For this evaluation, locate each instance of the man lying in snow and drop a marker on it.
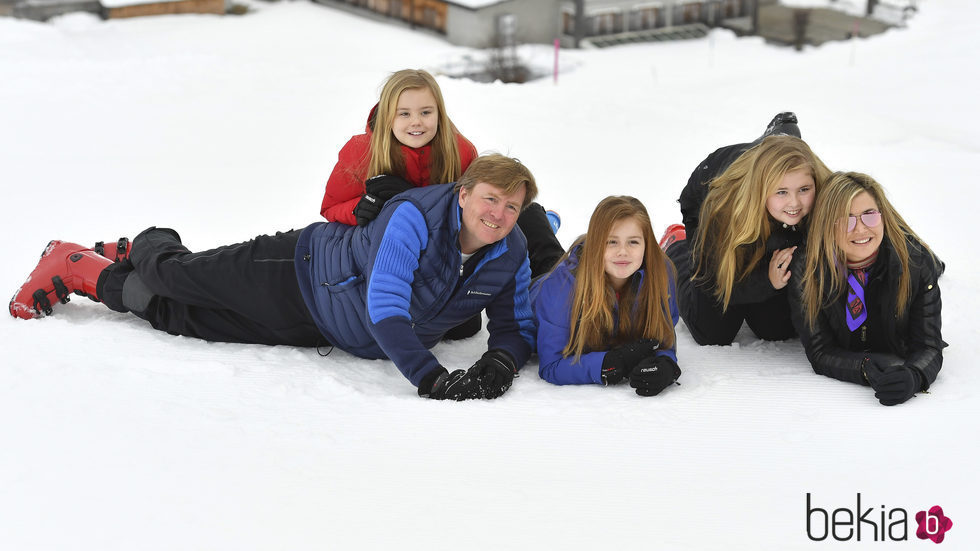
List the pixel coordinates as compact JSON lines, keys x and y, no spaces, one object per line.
{"x":433,"y":258}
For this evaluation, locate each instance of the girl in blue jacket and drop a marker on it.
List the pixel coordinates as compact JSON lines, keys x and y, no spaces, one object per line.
{"x":618,"y":286}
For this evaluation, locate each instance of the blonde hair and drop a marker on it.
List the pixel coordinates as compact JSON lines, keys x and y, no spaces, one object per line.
{"x":386,"y":156}
{"x":825,"y":274}
{"x":502,"y":172}
{"x":734,"y":227}
{"x":644,"y":307}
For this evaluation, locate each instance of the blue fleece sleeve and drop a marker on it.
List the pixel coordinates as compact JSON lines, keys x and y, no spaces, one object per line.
{"x":510,"y":320}
{"x":674,"y":314}
{"x":389,"y":293}
{"x":552,"y":312}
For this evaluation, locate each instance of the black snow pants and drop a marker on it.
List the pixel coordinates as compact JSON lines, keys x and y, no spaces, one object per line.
{"x":543,"y":248}
{"x":243,"y":293}
{"x":709,"y":324}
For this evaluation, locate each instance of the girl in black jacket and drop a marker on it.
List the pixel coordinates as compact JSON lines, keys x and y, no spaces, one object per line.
{"x":867,"y":306}
{"x":733,"y":265}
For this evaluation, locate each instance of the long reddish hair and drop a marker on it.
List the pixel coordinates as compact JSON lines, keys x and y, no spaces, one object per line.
{"x":643,"y":304}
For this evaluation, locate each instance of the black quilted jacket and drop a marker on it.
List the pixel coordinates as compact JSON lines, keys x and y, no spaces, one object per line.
{"x":914,"y":340}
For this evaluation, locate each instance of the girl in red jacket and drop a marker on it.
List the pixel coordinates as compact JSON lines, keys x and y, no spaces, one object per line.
{"x":408,"y":136}
{"x":411,"y":142}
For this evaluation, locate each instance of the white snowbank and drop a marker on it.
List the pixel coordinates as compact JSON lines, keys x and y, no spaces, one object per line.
{"x":116,"y":436}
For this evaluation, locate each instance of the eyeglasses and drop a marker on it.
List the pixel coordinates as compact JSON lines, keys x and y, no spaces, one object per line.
{"x":870,"y":219}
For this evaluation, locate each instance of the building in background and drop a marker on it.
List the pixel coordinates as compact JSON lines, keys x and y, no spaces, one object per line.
{"x":116,"y":9}
{"x":480,"y":23}
{"x":472,"y":23}
{"x":42,"y":10}
{"x":502,"y":24}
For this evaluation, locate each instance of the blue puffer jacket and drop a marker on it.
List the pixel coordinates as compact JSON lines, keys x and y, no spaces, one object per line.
{"x":551,"y":298}
{"x":392,"y":289}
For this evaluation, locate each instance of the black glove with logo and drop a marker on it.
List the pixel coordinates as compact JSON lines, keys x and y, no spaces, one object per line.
{"x":377,"y":191}
{"x":620,"y":360}
{"x":495,"y":372}
{"x":440,"y":384}
{"x":652,"y":375}
{"x":893,"y":384}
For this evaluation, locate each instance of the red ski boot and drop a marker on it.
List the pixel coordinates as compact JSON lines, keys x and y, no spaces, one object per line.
{"x":673,"y":233}
{"x":115,"y":251}
{"x":64,"y":268}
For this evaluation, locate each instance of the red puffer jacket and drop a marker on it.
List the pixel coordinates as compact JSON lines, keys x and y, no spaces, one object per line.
{"x":346,"y":183}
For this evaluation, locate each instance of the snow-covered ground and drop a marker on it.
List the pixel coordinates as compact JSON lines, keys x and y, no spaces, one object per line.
{"x":117,"y":437}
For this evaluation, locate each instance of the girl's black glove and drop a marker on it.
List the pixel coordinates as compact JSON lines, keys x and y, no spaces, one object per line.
{"x":377,"y":191}
{"x":620,"y":360}
{"x":652,"y":375}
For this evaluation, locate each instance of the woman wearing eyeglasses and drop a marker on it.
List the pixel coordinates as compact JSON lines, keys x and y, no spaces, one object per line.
{"x":869,"y":307}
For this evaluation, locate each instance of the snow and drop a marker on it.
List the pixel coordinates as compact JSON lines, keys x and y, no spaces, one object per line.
{"x":475,"y":4}
{"x":115,"y":436}
{"x":125,"y":3}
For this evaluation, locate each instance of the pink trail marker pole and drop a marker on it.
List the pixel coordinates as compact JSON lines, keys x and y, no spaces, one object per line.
{"x":557,"y":47}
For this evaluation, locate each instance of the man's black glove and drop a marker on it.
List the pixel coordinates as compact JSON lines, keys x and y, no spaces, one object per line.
{"x":495,"y":372}
{"x":893,"y":384}
{"x":620,"y":360}
{"x":377,"y":191}
{"x":652,"y":375}
{"x":440,"y":384}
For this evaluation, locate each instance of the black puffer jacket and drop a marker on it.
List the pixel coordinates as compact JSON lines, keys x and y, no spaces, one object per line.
{"x":914,"y":340}
{"x":696,"y":189}
{"x":755,"y":287}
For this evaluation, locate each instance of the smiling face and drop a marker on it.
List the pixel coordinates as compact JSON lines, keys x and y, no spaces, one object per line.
{"x":624,"y":251}
{"x":793,"y":197}
{"x":488,"y":215}
{"x":416,"y":117}
{"x":863,"y":241}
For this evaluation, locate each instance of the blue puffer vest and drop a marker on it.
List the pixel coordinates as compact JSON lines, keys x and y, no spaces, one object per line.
{"x":381,"y":290}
